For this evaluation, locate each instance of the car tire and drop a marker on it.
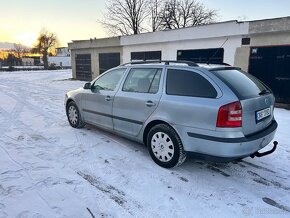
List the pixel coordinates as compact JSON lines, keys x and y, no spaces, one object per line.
{"x":165,"y":146}
{"x":74,"y":116}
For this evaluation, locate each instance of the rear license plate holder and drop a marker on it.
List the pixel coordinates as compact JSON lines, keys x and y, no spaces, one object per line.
{"x":262,"y":114}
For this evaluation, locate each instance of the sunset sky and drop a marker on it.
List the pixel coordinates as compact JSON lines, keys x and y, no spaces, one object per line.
{"x":21,"y":21}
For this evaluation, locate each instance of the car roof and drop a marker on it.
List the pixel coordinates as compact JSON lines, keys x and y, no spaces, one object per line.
{"x":187,"y":64}
{"x":161,"y":62}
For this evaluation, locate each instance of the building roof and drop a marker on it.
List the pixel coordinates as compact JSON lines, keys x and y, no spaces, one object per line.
{"x":95,"y":43}
{"x":213,"y":30}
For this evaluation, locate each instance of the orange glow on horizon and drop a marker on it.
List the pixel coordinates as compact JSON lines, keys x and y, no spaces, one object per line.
{"x":4,"y":54}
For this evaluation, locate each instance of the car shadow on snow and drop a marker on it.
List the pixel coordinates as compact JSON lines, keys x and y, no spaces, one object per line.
{"x":246,"y":168}
{"x":246,"y":172}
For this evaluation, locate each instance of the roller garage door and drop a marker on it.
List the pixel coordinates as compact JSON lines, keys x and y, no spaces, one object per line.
{"x":108,"y":61}
{"x":146,"y":56}
{"x":213,"y":55}
{"x":83,"y":67}
{"x":272,"y":66}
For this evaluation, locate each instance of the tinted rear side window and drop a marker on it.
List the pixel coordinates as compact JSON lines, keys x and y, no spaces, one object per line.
{"x":243,"y":84}
{"x":188,"y":83}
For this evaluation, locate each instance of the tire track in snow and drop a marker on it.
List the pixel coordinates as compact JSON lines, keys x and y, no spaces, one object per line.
{"x":275,"y":204}
{"x":38,"y":184}
{"x":24,"y":101}
{"x":113,"y":193}
{"x":13,"y":119}
{"x":13,"y":160}
{"x":12,"y":116}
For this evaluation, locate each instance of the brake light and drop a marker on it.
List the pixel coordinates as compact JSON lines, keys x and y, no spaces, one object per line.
{"x":230,"y":115}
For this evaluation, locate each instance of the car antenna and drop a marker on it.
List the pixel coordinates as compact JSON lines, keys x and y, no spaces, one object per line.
{"x":217,"y":50}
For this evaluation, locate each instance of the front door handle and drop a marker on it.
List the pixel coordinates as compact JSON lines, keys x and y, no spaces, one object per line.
{"x":150,"y":103}
{"x":108,"y":98}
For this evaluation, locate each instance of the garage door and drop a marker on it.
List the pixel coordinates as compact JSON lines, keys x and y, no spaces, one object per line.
{"x":146,"y":56}
{"x":108,"y":61}
{"x":272,"y":66}
{"x":83,"y":67}
{"x":213,"y":55}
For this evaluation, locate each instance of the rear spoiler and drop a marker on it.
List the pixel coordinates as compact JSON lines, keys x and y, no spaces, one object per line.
{"x":224,"y":68}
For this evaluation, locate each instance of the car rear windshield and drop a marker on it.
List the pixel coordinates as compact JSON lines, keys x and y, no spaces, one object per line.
{"x":242,"y":84}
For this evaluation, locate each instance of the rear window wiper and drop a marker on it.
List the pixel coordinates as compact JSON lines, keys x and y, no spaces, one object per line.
{"x":265,"y":91}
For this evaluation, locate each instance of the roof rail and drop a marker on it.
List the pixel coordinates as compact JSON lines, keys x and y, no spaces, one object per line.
{"x":213,"y":62}
{"x":166,"y":62}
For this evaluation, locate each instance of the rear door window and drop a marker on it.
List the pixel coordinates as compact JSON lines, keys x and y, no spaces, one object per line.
{"x":188,"y":83}
{"x":242,"y":84}
{"x":143,"y":80}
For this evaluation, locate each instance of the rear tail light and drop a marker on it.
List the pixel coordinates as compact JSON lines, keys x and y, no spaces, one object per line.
{"x":230,"y":115}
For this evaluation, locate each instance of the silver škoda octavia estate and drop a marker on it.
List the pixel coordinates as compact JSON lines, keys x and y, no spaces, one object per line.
{"x":176,"y":108}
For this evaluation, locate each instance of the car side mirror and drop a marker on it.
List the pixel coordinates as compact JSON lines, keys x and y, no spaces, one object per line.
{"x":87,"y":86}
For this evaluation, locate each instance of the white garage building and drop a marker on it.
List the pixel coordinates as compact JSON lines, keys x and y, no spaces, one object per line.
{"x":170,"y":44}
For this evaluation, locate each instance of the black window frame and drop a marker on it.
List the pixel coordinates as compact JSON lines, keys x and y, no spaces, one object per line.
{"x":246,"y":41}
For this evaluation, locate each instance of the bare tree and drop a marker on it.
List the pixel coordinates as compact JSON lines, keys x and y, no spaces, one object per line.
{"x":20,"y":50}
{"x":45,"y":43}
{"x":11,"y":60}
{"x":125,"y":17}
{"x":168,"y":15}
{"x":155,"y":8}
{"x":183,"y":13}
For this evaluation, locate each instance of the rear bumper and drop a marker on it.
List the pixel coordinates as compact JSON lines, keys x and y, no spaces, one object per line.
{"x":230,"y":148}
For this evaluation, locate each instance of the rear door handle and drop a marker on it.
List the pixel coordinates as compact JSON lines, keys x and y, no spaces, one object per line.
{"x":150,"y":103}
{"x":108,"y":98}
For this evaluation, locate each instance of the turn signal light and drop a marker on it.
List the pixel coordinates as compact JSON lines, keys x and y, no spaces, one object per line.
{"x":230,"y":115}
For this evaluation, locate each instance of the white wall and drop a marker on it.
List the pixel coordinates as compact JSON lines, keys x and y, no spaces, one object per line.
{"x":215,"y":30}
{"x":169,"y":49}
{"x":61,"y":52}
{"x":199,"y":37}
{"x":27,"y":61}
{"x":66,"y":61}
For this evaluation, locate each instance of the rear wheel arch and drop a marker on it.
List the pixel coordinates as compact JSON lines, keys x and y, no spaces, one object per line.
{"x":153,"y":123}
{"x":148,"y":127}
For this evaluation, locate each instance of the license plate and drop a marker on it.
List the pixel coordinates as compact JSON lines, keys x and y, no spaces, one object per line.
{"x":262,"y":114}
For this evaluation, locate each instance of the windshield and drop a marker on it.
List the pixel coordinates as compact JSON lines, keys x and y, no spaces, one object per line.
{"x":243,"y":84}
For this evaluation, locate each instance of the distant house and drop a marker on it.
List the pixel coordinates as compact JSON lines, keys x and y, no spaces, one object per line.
{"x":31,"y":60}
{"x":27,"y":61}
{"x":62,"y":58}
{"x":63,"y":52}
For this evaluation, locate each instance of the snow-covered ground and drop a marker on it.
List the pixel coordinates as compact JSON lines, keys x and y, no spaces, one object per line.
{"x":48,"y":169}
